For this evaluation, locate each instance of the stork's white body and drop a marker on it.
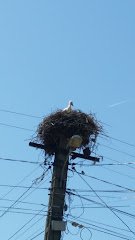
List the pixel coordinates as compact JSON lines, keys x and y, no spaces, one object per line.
{"x":68,"y":109}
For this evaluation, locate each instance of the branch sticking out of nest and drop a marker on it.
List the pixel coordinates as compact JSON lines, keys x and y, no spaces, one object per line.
{"x":61,"y":126}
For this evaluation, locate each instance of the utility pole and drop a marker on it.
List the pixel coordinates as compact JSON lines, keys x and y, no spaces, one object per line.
{"x":60,"y":134}
{"x":54,"y":222}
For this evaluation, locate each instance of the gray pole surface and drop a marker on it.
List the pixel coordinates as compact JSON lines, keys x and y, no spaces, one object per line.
{"x":57,"y":193}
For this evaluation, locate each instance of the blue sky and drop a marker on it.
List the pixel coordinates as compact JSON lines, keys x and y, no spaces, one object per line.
{"x":51,"y":52}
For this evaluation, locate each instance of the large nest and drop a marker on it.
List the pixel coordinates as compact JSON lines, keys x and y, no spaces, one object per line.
{"x":62,"y":125}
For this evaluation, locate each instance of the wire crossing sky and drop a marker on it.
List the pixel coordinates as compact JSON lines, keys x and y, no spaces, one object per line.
{"x":53,"y":52}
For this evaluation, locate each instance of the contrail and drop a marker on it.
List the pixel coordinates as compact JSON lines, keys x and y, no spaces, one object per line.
{"x":118,"y":103}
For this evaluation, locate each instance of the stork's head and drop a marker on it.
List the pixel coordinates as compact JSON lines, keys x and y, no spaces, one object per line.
{"x":71,"y":103}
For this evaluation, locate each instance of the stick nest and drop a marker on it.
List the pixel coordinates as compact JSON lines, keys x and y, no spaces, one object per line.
{"x":62,"y":125}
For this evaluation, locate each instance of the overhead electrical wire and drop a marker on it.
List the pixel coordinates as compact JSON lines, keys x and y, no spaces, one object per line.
{"x":35,"y":215}
{"x":23,"y":209}
{"x":23,"y":213}
{"x":107,"y":206}
{"x":105,"y":164}
{"x":118,"y":140}
{"x":19,"y":160}
{"x":33,"y":234}
{"x":104,"y":230}
{"x":130,"y":155}
{"x":129,"y":166}
{"x":108,"y":182}
{"x":117,"y":172}
{"x":20,"y":197}
{"x":103,"y":191}
{"x":37,"y":235}
{"x":31,"y":226}
{"x":18,"y":186}
{"x":18,"y":113}
{"x":86,"y":207}
{"x":12,"y":205}
{"x":24,"y":202}
{"x":28,"y":175}
{"x":101,"y":204}
{"x":13,"y":126}
{"x":103,"y":224}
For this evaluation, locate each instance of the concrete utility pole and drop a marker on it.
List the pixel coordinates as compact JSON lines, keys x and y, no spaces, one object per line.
{"x":54,"y":222}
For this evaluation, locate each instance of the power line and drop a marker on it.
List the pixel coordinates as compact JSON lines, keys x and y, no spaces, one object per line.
{"x":31,"y":226}
{"x":37,"y":235}
{"x":119,"y":140}
{"x":33,"y":234}
{"x":16,"y":201}
{"x":102,"y":191}
{"x":111,"y":209}
{"x":129,"y":166}
{"x":117,"y":185}
{"x":26,"y":209}
{"x":122,"y":174}
{"x":118,"y":150}
{"x":105,"y":164}
{"x":104,"y":230}
{"x":19,"y":183}
{"x":22,"y":212}
{"x":18,"y":113}
{"x":26,"y":224}
{"x":18,"y":160}
{"x":34,"y":214}
{"x":24,"y":202}
{"x":17,"y":186}
{"x":101,"y":204}
{"x":103,"y":224}
{"x":13,"y":126}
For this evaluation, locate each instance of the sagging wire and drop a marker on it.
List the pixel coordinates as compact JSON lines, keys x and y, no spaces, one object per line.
{"x":82,"y":205}
{"x":83,"y":230}
{"x":33,"y":216}
{"x":113,"y":184}
{"x":40,"y":184}
{"x":26,"y":224}
{"x":34,"y":233}
{"x":3,"y":196}
{"x":37,"y":235}
{"x":83,"y":220}
{"x":41,"y":178}
{"x":73,"y":234}
{"x":117,"y":150}
{"x":31,"y":225}
{"x":104,"y":230}
{"x":119,"y":173}
{"x":45,"y":170}
{"x":20,"y":197}
{"x":80,"y":227}
{"x":115,"y":209}
{"x":79,"y":174}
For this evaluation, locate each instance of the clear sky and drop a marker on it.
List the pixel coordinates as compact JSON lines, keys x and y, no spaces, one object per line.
{"x":51,"y":52}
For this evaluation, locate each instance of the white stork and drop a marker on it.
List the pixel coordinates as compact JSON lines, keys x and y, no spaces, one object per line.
{"x":68,"y":109}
